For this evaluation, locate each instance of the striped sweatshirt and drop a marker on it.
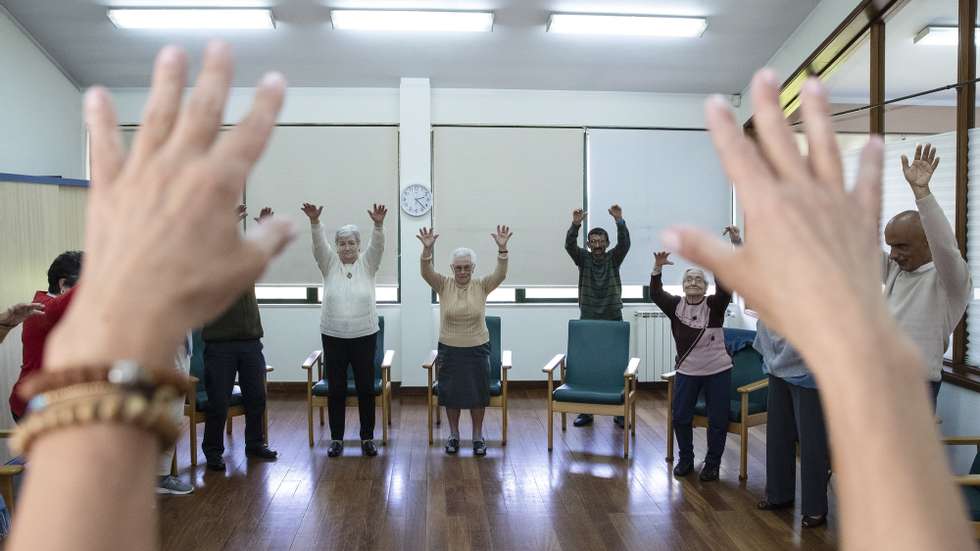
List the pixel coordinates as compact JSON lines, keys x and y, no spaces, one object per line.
{"x":600,"y":289}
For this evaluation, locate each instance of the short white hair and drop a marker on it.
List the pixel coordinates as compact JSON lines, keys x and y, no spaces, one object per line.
{"x":698,"y":270}
{"x":347,"y":231}
{"x":463,"y":252}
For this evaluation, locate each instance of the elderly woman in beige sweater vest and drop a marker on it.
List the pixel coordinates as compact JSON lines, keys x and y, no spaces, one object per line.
{"x":464,"y":341}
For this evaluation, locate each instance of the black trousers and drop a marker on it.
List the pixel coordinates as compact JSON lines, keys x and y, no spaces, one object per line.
{"x":359,"y":355}
{"x":222,"y":361}
{"x":795,"y":415}
{"x":717,"y":397}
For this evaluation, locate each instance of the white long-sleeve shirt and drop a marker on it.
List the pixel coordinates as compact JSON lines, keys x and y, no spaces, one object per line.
{"x":348,"y":309}
{"x":929,"y":301}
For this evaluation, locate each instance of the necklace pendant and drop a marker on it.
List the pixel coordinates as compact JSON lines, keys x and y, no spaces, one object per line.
{"x":349,"y":275}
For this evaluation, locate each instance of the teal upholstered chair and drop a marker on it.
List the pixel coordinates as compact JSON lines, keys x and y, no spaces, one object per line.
{"x":318,"y":392}
{"x":597,"y":376}
{"x":971,"y":482}
{"x":196,"y":408}
{"x":749,"y":394}
{"x":500,"y":362}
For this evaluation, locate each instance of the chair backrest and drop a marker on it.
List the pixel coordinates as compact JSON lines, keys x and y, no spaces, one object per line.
{"x":379,"y":352}
{"x":598,"y":352}
{"x":747,"y":364}
{"x":975,"y":468}
{"x":197,"y":359}
{"x":493,"y":325}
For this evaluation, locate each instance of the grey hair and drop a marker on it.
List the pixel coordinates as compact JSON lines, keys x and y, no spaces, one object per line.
{"x":704,"y":275}
{"x":347,"y":231}
{"x":463,"y":252}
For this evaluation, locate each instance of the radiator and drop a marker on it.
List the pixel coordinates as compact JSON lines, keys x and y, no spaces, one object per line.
{"x":653,"y":344}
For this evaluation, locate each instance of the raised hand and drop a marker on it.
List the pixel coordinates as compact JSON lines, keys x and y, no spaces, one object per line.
{"x":502,"y":236}
{"x":312,"y":212}
{"x":264,"y":215}
{"x":17,"y":313}
{"x":919,"y":172}
{"x":662,"y":259}
{"x":733,"y":234}
{"x":164,"y":251}
{"x":428,"y":237}
{"x":616,"y":212}
{"x":378,"y":214}
{"x":578,"y":215}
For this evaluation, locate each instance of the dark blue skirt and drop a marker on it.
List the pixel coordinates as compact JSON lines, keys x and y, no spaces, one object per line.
{"x":464,"y":376}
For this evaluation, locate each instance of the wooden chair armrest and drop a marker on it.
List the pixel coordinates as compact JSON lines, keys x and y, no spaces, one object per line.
{"x":6,"y":433}
{"x":968,"y":480}
{"x":11,"y":470}
{"x":554,"y":362}
{"x":388,"y":359}
{"x":431,"y":360}
{"x":194,"y":381}
{"x":269,"y":369}
{"x":631,"y":369}
{"x":962,"y":440}
{"x":506,"y":359}
{"x":668,"y":376}
{"x":312,"y":359}
{"x":752,"y":387}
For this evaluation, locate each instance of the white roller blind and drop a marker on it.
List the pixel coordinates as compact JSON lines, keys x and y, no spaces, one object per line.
{"x":659,"y":178}
{"x":973,"y":249}
{"x":346,"y":169}
{"x":528,"y":178}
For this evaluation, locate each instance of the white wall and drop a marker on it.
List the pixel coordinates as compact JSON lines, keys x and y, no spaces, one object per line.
{"x":958,"y":408}
{"x":42,"y":115}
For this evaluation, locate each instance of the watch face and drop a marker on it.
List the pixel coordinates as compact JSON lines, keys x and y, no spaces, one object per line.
{"x":416,"y":200}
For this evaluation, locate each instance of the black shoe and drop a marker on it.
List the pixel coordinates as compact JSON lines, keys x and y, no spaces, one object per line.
{"x":452,"y":446}
{"x":216,"y":463}
{"x":709,"y":473}
{"x":336,"y":448}
{"x":479,"y":448}
{"x":620,"y":421}
{"x":683,"y":468}
{"x":766,"y":505}
{"x":812,"y":521}
{"x":265,"y":452}
{"x":368,"y":448}
{"x":582,"y":420}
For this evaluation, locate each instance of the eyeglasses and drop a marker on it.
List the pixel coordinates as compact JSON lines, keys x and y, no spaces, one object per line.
{"x":463,"y":269}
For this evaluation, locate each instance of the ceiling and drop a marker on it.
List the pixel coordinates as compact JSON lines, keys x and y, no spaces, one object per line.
{"x":909,"y":67}
{"x":741,"y":36}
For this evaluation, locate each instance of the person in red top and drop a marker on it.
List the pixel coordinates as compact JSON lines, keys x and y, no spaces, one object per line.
{"x":62,"y":276}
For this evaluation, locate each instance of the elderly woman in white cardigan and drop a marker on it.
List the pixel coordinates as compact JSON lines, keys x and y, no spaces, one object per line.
{"x":349,"y":320}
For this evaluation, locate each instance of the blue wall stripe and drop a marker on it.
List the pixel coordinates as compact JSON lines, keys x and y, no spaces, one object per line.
{"x":49,"y":180}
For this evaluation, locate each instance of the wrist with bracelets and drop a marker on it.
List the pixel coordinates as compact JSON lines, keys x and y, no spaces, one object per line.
{"x":123,"y":394}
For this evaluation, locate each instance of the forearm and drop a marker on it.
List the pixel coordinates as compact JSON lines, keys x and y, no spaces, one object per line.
{"x":376,"y":248}
{"x":880,"y":475}
{"x":499,"y":274}
{"x":952,"y":270}
{"x":322,"y":251}
{"x":428,"y":273}
{"x":86,"y":482}
{"x":571,"y":240}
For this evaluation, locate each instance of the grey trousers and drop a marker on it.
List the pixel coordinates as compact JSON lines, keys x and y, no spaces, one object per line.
{"x":795,"y":415}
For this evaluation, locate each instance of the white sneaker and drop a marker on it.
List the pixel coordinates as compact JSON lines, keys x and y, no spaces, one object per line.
{"x":174,"y":486}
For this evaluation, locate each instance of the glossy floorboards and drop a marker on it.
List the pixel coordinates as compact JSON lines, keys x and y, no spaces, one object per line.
{"x":582,"y":496}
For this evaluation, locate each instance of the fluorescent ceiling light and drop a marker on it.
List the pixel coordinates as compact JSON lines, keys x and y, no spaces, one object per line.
{"x":939,"y":36}
{"x":192,"y":18}
{"x":407,"y":20}
{"x":627,"y":25}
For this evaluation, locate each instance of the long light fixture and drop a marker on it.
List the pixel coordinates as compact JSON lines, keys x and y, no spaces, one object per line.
{"x":412,"y":21}
{"x":627,"y":25}
{"x":191,"y":18}
{"x":935,"y":35}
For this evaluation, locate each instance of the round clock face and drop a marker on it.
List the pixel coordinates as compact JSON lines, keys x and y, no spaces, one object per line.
{"x":416,"y":200}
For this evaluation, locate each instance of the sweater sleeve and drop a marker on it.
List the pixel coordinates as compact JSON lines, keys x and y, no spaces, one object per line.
{"x":664,"y":300}
{"x":375,"y":250}
{"x":435,"y":280}
{"x":571,"y":245}
{"x":622,"y":243}
{"x":322,"y":251}
{"x":953,"y":271}
{"x":718,"y":302}
{"x":494,"y":280}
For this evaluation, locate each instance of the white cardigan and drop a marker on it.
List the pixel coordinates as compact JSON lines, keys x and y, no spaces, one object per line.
{"x":348,"y":310}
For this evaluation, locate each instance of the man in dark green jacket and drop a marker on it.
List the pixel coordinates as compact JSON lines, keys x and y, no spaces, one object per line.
{"x":600,"y":289}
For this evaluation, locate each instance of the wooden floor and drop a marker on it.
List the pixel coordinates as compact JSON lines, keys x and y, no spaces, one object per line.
{"x":583,"y":495}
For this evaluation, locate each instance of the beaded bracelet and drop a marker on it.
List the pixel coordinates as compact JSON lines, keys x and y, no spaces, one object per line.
{"x":46,"y":381}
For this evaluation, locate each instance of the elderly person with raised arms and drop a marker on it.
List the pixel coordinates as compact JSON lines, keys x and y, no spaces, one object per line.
{"x":349,"y":320}
{"x":702,"y":362}
{"x":464,"y":342}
